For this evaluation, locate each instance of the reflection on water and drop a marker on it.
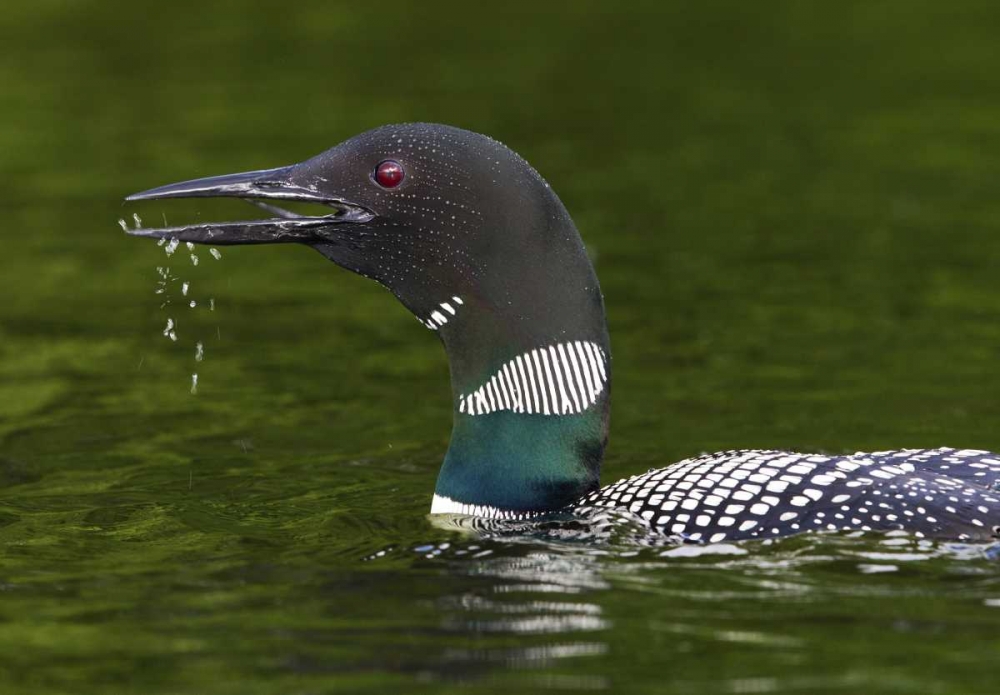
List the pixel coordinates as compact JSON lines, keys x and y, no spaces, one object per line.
{"x":543,"y":594}
{"x":262,"y":575}
{"x":522,"y":599}
{"x":543,"y":601}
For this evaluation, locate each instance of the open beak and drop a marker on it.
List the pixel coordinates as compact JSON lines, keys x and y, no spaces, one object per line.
{"x":265,"y":189}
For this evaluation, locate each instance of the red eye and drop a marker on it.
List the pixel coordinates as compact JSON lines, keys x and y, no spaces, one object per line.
{"x":389,"y":174}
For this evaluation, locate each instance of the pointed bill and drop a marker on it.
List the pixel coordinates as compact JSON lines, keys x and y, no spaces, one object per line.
{"x":255,"y":187}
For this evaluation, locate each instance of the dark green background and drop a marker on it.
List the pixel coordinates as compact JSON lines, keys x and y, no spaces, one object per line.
{"x":793,"y":211}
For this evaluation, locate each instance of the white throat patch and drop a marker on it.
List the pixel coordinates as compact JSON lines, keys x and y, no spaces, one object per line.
{"x":444,"y":312}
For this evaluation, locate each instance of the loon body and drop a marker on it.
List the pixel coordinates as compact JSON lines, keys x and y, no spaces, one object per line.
{"x":474,"y":243}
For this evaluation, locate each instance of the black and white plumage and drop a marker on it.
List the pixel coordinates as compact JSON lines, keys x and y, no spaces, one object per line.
{"x":739,"y":495}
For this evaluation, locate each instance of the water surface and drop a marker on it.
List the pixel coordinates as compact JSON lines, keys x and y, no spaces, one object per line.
{"x":794,"y":217}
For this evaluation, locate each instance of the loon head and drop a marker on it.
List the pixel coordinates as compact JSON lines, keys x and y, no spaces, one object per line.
{"x":471,"y":239}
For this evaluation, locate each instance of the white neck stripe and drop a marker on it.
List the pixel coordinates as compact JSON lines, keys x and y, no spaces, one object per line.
{"x":570,"y":376}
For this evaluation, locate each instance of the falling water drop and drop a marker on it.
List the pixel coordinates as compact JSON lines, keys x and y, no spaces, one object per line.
{"x":199,"y":352}
{"x":194,"y":383}
{"x":216,"y":254}
{"x":138,"y":220}
{"x":123,"y":225}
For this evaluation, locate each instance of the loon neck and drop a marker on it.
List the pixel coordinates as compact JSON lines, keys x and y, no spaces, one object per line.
{"x":531,"y":390}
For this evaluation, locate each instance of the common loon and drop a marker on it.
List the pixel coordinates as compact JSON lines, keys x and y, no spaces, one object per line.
{"x":471,"y":239}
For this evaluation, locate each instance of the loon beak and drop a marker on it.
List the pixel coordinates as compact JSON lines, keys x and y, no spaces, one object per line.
{"x":264,"y":188}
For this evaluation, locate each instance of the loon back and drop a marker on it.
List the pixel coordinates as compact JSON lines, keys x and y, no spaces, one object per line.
{"x":738,"y":495}
{"x":468,"y":236}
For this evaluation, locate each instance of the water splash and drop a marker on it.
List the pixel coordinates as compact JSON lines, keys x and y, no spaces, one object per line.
{"x":161,"y":284}
{"x":170,"y":331}
{"x":187,"y":290}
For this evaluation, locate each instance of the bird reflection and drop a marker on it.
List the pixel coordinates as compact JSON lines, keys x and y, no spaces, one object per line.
{"x":536,"y":602}
{"x":539,"y":582}
{"x":547,"y":599}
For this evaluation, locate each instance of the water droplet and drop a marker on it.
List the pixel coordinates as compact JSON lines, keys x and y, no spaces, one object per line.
{"x":216,"y":254}
{"x":194,"y":259}
{"x":193,"y":304}
{"x":184,"y":288}
{"x":161,"y":242}
{"x":199,"y":352}
{"x":170,"y":327}
{"x":194,"y":383}
{"x":138,"y":221}
{"x":211,"y":304}
{"x":171,"y":247}
{"x":123,"y":225}
{"x":190,"y":246}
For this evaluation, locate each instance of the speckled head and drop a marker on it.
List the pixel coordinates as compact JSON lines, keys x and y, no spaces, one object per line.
{"x":473,"y":241}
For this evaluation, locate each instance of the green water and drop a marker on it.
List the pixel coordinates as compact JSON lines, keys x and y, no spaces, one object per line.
{"x":793,"y":211}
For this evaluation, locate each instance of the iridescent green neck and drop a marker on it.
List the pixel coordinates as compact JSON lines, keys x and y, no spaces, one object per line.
{"x":523,"y":463}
